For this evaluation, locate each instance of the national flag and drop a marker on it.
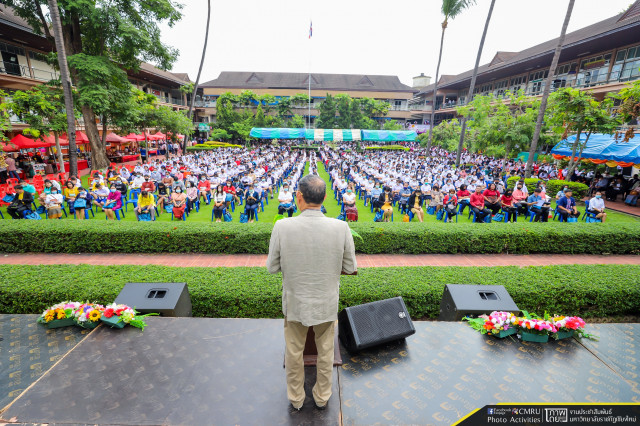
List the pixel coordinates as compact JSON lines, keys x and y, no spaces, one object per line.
{"x":310,"y":28}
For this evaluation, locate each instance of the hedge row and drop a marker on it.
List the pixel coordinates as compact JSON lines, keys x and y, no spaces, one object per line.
{"x":52,"y":236}
{"x":580,"y":190}
{"x":591,"y":291}
{"x":387,"y":148}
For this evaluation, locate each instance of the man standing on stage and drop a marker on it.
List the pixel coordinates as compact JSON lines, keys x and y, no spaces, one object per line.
{"x":311,"y":251}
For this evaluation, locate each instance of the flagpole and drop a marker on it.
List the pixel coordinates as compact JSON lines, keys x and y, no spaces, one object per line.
{"x":309,"y":78}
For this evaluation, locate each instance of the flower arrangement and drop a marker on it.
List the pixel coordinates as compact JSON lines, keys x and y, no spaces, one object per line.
{"x":118,"y":315}
{"x":530,"y":327}
{"x":500,"y":324}
{"x":87,"y":315}
{"x":59,"y":315}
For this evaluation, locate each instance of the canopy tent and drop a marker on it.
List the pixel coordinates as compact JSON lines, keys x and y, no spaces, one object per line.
{"x":113,"y":138}
{"x":335,"y":135}
{"x":277,"y":133}
{"x":81,"y":138}
{"x":23,"y":142}
{"x":8,"y":148}
{"x":388,"y":135}
{"x":160,"y":135}
{"x":134,"y":137}
{"x":602,"y":149}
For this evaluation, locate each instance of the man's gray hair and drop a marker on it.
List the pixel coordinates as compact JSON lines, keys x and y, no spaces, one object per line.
{"x":313,"y":189}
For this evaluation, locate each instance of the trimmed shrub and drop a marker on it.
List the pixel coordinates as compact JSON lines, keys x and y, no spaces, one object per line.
{"x":52,"y":236}
{"x":530,"y":183}
{"x":580,"y":190}
{"x":590,"y":291}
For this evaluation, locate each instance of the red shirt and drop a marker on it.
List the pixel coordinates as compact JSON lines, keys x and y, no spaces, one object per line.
{"x":477,"y":200}
{"x":464,"y":193}
{"x":489,"y":193}
{"x":507,"y":201}
{"x":204,"y":185}
{"x":229,"y":189}
{"x":148,"y":186}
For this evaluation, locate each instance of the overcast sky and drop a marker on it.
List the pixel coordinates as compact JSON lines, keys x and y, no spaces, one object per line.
{"x":364,"y":37}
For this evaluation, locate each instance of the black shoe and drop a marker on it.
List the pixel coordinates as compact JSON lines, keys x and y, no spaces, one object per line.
{"x":293,"y":409}
{"x":323,"y":407}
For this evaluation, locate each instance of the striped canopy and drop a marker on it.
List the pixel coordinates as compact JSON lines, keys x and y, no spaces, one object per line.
{"x":277,"y":133}
{"x":335,"y":135}
{"x":388,"y":135}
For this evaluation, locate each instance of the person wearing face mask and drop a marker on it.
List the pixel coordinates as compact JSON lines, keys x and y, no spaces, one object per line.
{"x":415,"y":204}
{"x":285,"y":198}
{"x":368,"y":187}
{"x":385,"y":201}
{"x":566,"y":206}
{"x":450,"y":203}
{"x":477,"y":205}
{"x":70,"y":192}
{"x":53,"y":203}
{"x":192,"y":196}
{"x":219,"y":199}
{"x":405,"y":193}
{"x":252,"y":203}
{"x":81,"y":203}
{"x":508,"y":207}
{"x":113,"y":202}
{"x":436,"y":200}
{"x":138,"y":180}
{"x":350,"y":209}
{"x":205,"y":189}
{"x":148,"y":185}
{"x":520,"y":199}
{"x":179,"y":201}
{"x":99,"y":195}
{"x":596,"y":207}
{"x":375,"y":195}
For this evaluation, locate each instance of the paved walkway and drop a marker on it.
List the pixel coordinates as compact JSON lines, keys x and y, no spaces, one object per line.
{"x":620,"y":206}
{"x":364,"y":260}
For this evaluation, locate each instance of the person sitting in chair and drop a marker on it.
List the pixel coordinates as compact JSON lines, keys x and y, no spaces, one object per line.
{"x":53,"y":203}
{"x":405,"y":193}
{"x":350,"y":209}
{"x":477,"y":205}
{"x":538,"y":206}
{"x":567,"y":206}
{"x":596,"y":207}
{"x":451,"y":204}
{"x":285,"y":198}
{"x":21,"y":203}
{"x":146,"y":204}
{"x":252,"y":203}
{"x":415,"y":203}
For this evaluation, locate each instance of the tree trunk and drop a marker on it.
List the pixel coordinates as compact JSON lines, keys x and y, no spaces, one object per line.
{"x":99,"y":159}
{"x":195,"y":87}
{"x":546,"y":91}
{"x":59,"y":153}
{"x":435,"y":91}
{"x":473,"y":81}
{"x":66,"y":86}
{"x":573,"y":163}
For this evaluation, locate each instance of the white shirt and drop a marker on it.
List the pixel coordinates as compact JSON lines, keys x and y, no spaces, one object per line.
{"x":596,"y":203}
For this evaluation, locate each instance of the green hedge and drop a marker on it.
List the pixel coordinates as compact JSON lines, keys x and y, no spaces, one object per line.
{"x":387,"y":148}
{"x":580,"y":190}
{"x":590,"y":291}
{"x":53,"y":236}
{"x":530,"y":183}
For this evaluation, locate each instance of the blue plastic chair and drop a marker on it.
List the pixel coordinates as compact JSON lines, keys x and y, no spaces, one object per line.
{"x":132,"y":199}
{"x":507,"y":215}
{"x":588,"y":214}
{"x":445,"y":217}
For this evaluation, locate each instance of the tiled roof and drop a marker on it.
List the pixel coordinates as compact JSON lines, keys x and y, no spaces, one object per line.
{"x":146,"y":67}
{"x":287,"y":80}
{"x":182,"y":76}
{"x":8,"y":15}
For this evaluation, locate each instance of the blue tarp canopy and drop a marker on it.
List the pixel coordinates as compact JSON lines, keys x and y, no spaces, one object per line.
{"x":277,"y":133}
{"x":388,"y":135}
{"x":602,"y":147}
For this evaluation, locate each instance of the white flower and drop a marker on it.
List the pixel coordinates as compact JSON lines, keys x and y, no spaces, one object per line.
{"x":82,"y":318}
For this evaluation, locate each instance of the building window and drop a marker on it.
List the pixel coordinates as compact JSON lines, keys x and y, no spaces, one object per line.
{"x":11,"y":49}
{"x":627,"y":64}
{"x":536,"y":81}
{"x":517,"y":83}
{"x":485,"y":89}
{"x":593,"y":70}
{"x":500,"y":88}
{"x":565,"y":76}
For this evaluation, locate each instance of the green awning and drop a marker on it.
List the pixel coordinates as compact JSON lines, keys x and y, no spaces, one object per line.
{"x":388,"y":135}
{"x":277,"y":133}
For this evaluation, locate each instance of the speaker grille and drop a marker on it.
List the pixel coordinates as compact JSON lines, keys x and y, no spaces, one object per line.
{"x":379,"y":320}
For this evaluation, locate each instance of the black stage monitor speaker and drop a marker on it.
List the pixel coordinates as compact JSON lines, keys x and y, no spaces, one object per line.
{"x":460,"y":300}
{"x":167,"y":299}
{"x":374,"y":323}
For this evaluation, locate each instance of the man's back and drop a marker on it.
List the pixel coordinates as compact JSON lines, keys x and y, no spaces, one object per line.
{"x":311,"y":251}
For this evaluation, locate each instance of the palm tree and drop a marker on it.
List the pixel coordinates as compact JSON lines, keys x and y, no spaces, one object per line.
{"x":65,"y":79}
{"x":450,"y":9}
{"x":195,"y":87}
{"x":473,"y":82}
{"x":547,"y":90}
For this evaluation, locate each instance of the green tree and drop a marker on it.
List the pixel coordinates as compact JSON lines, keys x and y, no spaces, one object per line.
{"x":445,"y":135}
{"x":630,"y":107}
{"x":42,"y":108}
{"x":5,"y":122}
{"x":122,"y":31}
{"x":259,"y":120}
{"x":547,"y":90}
{"x":450,"y":9}
{"x":297,"y":121}
{"x":219,"y":135}
{"x":572,"y":111}
{"x":473,"y":81}
{"x":327,"y":114}
{"x":284,"y":106}
{"x":343,"y":121}
{"x":226,"y":115}
{"x":172,"y":122}
{"x":392,"y":125}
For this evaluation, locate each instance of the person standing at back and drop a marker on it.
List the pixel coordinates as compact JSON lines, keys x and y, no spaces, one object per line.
{"x":311,"y":251}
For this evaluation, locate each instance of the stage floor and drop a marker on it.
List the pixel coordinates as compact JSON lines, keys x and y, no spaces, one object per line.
{"x":195,"y":371}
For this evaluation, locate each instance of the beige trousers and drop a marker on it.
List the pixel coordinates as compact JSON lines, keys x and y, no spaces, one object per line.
{"x":295,"y":336}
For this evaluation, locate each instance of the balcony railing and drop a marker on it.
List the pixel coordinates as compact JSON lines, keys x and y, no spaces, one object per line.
{"x":205,"y":104}
{"x":578,"y":83}
{"x":398,"y":108}
{"x":23,"y":71}
{"x":170,"y":100}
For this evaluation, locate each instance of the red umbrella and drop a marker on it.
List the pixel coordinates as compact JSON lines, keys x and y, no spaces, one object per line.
{"x":23,"y":142}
